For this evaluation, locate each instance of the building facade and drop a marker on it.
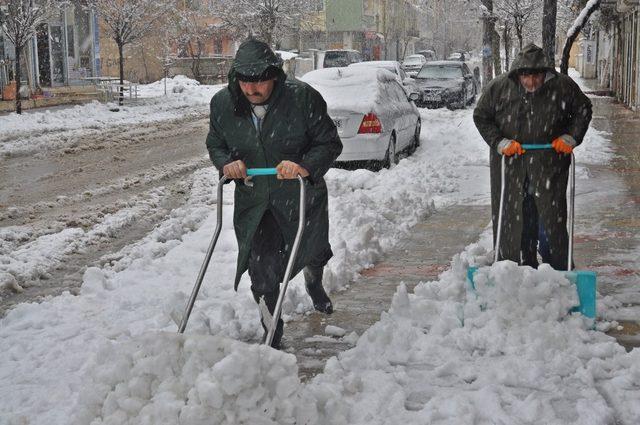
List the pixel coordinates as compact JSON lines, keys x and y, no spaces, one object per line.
{"x":380,"y":29}
{"x":64,"y":51}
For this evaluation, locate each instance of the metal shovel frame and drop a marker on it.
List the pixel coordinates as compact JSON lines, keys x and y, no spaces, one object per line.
{"x":271,"y":327}
{"x":572,"y":196}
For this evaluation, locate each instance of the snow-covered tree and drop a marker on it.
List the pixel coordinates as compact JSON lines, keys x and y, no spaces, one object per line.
{"x":127,"y":21}
{"x":590,"y":7}
{"x":268,"y":20}
{"x":19,"y":20}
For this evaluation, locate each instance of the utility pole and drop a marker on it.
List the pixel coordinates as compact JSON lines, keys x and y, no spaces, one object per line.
{"x":488,"y":28}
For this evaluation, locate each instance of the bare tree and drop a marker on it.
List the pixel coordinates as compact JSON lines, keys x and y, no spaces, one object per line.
{"x":19,"y":20}
{"x":269,"y":20}
{"x":572,"y":34}
{"x":518,"y":13}
{"x":194,"y":29}
{"x":127,"y":21}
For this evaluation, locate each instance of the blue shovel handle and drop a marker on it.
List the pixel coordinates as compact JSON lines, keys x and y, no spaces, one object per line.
{"x":262,"y":172}
{"x":537,"y":147}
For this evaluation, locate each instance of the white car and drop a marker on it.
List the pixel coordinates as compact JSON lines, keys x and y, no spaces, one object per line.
{"x":407,"y":83}
{"x":375,"y":119}
{"x":412,"y":64}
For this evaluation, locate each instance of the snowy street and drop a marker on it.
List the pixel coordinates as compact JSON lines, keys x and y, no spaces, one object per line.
{"x":118,"y":210}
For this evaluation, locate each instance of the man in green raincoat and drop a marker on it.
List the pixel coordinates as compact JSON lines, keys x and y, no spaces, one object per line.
{"x":532,"y":104}
{"x":264,"y":120}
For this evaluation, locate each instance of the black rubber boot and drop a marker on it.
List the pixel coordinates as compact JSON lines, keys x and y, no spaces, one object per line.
{"x":270,"y":301}
{"x":313,"y":283}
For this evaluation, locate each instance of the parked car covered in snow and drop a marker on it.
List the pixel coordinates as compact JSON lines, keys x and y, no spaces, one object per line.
{"x":412,"y":64}
{"x":446,"y":83}
{"x":340,"y":57}
{"x":394,"y":67}
{"x":376,"y":120}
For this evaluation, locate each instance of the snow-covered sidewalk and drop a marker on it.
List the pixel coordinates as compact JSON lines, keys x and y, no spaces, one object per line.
{"x":111,"y":356}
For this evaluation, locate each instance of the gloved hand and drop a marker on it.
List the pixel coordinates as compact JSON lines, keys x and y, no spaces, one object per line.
{"x":510,"y":147}
{"x":564,"y":144}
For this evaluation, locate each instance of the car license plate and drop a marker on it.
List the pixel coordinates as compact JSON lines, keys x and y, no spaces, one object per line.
{"x":338,"y":123}
{"x":432,"y":97}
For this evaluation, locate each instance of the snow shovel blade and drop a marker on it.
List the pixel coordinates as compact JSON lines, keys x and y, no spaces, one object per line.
{"x":585,"y":282}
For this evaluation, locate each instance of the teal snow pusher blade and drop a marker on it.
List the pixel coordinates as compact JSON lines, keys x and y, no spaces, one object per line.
{"x":585,"y":282}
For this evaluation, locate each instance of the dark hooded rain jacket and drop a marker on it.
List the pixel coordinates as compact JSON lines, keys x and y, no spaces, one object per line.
{"x":507,"y":111}
{"x":295,"y":128}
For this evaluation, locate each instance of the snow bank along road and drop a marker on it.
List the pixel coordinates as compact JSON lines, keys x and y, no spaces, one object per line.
{"x":70,"y":197}
{"x":110,"y":355}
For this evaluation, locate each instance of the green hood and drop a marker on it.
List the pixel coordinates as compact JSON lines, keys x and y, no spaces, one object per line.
{"x":252,"y":58}
{"x":530,"y":57}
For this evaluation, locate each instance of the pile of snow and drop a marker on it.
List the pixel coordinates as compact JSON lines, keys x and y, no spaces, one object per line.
{"x":177,"y":84}
{"x":439,"y":355}
{"x":511,"y":355}
{"x":509,"y":352}
{"x":163,"y":378}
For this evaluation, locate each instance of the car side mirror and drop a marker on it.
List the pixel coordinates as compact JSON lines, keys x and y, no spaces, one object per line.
{"x":414,"y":96}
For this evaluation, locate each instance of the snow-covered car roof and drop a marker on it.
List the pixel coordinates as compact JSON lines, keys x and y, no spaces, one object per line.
{"x":444,"y":63}
{"x":286,"y":55}
{"x":349,"y":88}
{"x":389,"y":65}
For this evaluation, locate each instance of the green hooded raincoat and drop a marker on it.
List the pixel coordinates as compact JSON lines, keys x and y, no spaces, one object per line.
{"x":295,"y":128}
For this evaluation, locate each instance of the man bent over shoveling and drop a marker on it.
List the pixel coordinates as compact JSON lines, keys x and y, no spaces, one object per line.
{"x":263,"y":120}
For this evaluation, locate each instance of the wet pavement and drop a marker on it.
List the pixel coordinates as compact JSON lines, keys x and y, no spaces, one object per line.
{"x":421,"y":257}
{"x":608,"y":218}
{"x":607,"y":241}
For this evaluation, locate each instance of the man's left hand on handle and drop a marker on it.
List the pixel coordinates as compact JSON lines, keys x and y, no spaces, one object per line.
{"x":290,"y":170}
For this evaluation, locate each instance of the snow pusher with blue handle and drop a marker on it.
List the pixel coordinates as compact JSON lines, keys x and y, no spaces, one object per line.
{"x":584,"y":280}
{"x":271,"y":321}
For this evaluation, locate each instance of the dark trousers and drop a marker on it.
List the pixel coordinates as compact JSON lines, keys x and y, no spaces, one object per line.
{"x":552,"y":245}
{"x":534,"y":240}
{"x":267,"y":258}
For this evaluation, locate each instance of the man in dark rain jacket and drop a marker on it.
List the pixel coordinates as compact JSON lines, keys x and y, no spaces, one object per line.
{"x":263,"y":120}
{"x":532,"y":104}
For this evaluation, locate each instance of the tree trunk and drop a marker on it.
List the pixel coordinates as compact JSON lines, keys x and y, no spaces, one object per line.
{"x":564,"y":62}
{"x":121,"y":89}
{"x":549,"y":12}
{"x":487,"y":36}
{"x":497,"y":65}
{"x":18,"y":77}
{"x":507,"y":47}
{"x":195,"y":67}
